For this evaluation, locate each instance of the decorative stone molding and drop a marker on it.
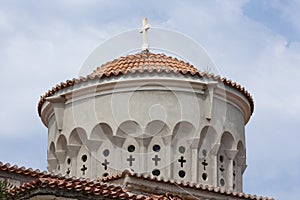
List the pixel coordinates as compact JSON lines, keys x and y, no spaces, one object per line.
{"x":58,"y":104}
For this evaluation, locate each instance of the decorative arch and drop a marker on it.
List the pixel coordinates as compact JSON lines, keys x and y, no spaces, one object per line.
{"x":52,"y":160}
{"x":51,"y":151}
{"x":61,"y":152}
{"x":208,"y":140}
{"x":101,"y":131}
{"x":227,"y":140}
{"x":61,"y":143}
{"x":78,"y":136}
{"x":157,"y":128}
{"x":129,"y":128}
{"x":184,"y":129}
{"x":239,"y":166}
{"x":241,"y":149}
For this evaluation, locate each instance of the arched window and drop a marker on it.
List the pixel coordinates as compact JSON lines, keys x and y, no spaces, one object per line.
{"x":52,"y":160}
{"x":224,"y":160}
{"x":78,"y":164}
{"x":182,"y":153}
{"x":61,"y":153}
{"x":158,"y":153}
{"x":130,"y":152}
{"x":104,"y":159}
{"x":206,"y":154}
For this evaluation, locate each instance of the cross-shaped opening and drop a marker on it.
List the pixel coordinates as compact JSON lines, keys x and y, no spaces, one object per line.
{"x":204,"y":163}
{"x":222,"y":169}
{"x":83,"y":169}
{"x":130,"y":160}
{"x":105,"y":164}
{"x":181,"y":161}
{"x":156,"y":159}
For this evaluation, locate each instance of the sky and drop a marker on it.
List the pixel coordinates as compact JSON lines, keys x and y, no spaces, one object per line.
{"x":253,"y":42}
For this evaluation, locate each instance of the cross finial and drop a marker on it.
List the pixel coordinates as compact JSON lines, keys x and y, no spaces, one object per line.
{"x":144,"y":30}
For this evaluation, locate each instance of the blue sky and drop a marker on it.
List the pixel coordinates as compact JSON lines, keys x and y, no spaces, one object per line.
{"x":256,"y":43}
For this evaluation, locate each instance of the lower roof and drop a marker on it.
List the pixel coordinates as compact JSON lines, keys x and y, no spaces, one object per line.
{"x":45,"y":182}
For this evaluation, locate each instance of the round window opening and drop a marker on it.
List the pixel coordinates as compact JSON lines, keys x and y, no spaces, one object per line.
{"x":222,"y":182}
{"x":105,"y":174}
{"x":156,"y":172}
{"x":181,"y":174}
{"x":84,"y":158}
{"x":106,"y":152}
{"x":156,"y":148}
{"x":131,"y":148}
{"x":204,"y":176}
{"x":204,"y":152}
{"x":221,"y":158}
{"x":181,"y":149}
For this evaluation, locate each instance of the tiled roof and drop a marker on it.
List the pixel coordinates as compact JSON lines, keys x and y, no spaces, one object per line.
{"x":141,"y":63}
{"x":74,"y":185}
{"x":102,"y":187}
{"x":85,"y":187}
{"x":201,"y":187}
{"x":23,"y":170}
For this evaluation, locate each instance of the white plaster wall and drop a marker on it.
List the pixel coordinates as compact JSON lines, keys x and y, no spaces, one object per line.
{"x":142,"y":106}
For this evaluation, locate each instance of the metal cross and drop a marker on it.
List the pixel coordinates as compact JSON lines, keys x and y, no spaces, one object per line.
{"x":181,"y":160}
{"x":144,"y":30}
{"x":156,"y":159}
{"x":105,"y":164}
{"x":83,"y":169}
{"x":204,"y":163}
{"x":130,"y":160}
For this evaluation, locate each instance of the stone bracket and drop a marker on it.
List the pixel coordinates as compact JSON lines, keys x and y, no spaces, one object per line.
{"x":230,"y":153}
{"x":143,"y":140}
{"x":58,"y":104}
{"x":209,"y":99}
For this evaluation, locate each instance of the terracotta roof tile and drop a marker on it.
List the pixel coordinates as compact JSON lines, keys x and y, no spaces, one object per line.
{"x":141,"y":63}
{"x":183,"y":184}
{"x":22,"y":170}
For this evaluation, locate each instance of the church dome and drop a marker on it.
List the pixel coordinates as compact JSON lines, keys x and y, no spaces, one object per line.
{"x":152,"y":113}
{"x":145,"y":62}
